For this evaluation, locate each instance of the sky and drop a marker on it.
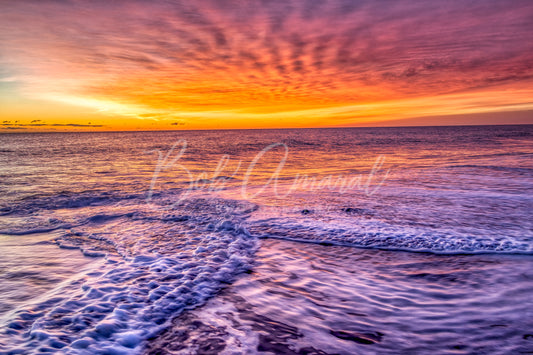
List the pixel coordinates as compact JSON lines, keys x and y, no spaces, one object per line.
{"x":139,"y":65}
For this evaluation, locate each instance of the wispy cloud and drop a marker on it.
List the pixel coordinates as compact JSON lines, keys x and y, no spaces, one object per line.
{"x":22,"y":125}
{"x":256,"y":57}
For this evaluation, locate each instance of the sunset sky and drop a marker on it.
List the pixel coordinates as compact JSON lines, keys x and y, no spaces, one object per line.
{"x":126,"y":65}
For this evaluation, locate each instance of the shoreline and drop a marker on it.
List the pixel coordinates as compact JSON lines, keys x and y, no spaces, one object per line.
{"x":292,"y":302}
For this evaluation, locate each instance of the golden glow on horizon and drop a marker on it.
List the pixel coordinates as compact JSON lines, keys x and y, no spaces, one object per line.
{"x":113,"y":116}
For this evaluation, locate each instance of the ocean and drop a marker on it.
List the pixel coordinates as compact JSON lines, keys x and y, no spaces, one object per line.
{"x":409,"y":240}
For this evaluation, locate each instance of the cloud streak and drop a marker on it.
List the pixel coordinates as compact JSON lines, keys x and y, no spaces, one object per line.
{"x":13,"y":125}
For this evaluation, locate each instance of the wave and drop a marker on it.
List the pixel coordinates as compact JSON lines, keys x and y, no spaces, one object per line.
{"x":494,"y":167}
{"x":65,"y":200}
{"x":367,"y":232}
{"x":153,"y":271}
{"x":169,"y":257}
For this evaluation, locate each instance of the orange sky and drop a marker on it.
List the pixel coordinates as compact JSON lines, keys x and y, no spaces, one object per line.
{"x":122,"y":65}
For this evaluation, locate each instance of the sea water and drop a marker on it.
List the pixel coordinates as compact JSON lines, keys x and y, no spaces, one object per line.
{"x":364,"y":240}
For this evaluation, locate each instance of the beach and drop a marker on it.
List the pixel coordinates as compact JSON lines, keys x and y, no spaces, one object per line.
{"x":313,"y":299}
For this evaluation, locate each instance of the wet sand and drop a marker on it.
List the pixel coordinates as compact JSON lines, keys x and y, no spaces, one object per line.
{"x":314,"y":299}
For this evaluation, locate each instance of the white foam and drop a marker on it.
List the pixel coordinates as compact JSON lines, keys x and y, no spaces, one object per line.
{"x":154,"y":270}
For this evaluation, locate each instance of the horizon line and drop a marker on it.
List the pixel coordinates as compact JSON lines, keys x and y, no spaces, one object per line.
{"x":14,"y":131}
